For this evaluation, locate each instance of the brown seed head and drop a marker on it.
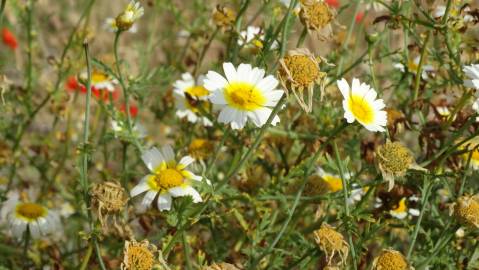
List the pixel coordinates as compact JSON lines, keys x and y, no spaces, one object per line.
{"x":331,"y":242}
{"x":390,"y":260}
{"x":466,"y":209}
{"x":315,"y":14}
{"x":223,"y":17}
{"x":138,"y":255}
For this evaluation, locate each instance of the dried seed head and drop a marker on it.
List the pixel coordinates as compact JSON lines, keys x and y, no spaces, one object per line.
{"x":138,"y":255}
{"x":200,"y":148}
{"x":390,"y":260}
{"x":298,"y":71}
{"x":110,"y":195}
{"x":466,"y":209}
{"x":221,"y":266}
{"x":223,"y":17}
{"x":331,"y":242}
{"x":394,"y":160}
{"x":315,"y":14}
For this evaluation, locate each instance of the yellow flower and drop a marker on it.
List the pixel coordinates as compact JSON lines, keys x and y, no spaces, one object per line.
{"x":466,"y":209}
{"x":390,"y":260}
{"x":223,"y":17}
{"x":138,"y":255}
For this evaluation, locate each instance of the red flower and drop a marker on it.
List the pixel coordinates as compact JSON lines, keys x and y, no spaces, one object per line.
{"x":133,"y":110}
{"x":9,"y":39}
{"x":359,"y":17}
{"x":73,"y":85}
{"x":333,"y":3}
{"x":104,"y":95}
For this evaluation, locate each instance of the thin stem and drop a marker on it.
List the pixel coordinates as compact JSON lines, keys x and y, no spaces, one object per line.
{"x":346,"y":204}
{"x":348,"y":36}
{"x":464,"y":176}
{"x":86,"y":258}
{"x":2,"y":8}
{"x":427,"y":186}
{"x":203,"y":52}
{"x":26,"y":242}
{"x":419,"y":68}
{"x":126,"y":92}
{"x":302,"y":37}
{"x":186,"y":250}
{"x":29,"y":10}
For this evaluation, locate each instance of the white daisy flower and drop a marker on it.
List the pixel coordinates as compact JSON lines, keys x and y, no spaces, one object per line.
{"x":335,"y":184}
{"x":188,"y":95}
{"x":168,"y":178}
{"x":120,"y":129}
{"x":100,"y":80}
{"x":360,"y":104}
{"x":129,"y":16}
{"x":110,"y":26}
{"x":244,"y":93}
{"x":412,"y":67}
{"x":440,"y":10}
{"x":472,"y":74}
{"x":402,"y":210}
{"x":22,"y":216}
{"x":255,"y":36}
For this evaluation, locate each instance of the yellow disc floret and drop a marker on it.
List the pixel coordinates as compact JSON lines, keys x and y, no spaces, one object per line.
{"x":30,"y":211}
{"x":244,"y":96}
{"x":361,"y":109}
{"x":390,"y":260}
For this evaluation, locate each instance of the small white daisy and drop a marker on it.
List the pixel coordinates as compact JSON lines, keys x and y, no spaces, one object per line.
{"x":129,"y":16}
{"x":168,"y":179}
{"x":412,"y":67}
{"x":100,"y":80}
{"x":188,"y":95}
{"x":120,"y":129}
{"x":360,"y":104}
{"x":244,"y":93}
{"x":255,"y":36}
{"x":110,"y":26}
{"x":22,"y":216}
{"x":401,"y":210}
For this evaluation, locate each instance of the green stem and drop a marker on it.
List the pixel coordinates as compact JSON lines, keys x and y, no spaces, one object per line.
{"x":302,"y":37}
{"x":86,"y":258}
{"x":347,"y":216}
{"x":26,"y":242}
{"x":126,"y":93}
{"x":2,"y":8}
{"x":348,"y":37}
{"x":427,"y":186}
{"x":186,"y":250}
{"x":419,"y":68}
{"x":203,"y":52}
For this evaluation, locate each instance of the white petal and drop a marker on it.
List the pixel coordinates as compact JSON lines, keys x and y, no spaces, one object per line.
{"x":239,"y":119}
{"x":230,"y":72}
{"x":226,"y":115}
{"x":193,"y":176}
{"x":148,"y":199}
{"x":186,"y":160}
{"x":152,"y":158}
{"x":168,"y":153}
{"x":414,"y":212}
{"x":164,"y":201}
{"x":257,"y":75}
{"x":244,"y":72}
{"x":356,"y":86}
{"x":267,"y":84}
{"x":273,"y":97}
{"x":217,"y":97}
{"x":34,"y":230}
{"x":185,"y":191}
{"x":343,"y":87}
{"x":214,"y":81}
{"x":140,"y":188}
{"x":260,"y":116}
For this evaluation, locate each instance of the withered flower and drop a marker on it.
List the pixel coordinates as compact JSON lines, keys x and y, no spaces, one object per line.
{"x":109,"y":198}
{"x":223,"y":17}
{"x":466,"y":210}
{"x":394,"y":159}
{"x":331,"y":243}
{"x":390,"y":260}
{"x":200,"y":149}
{"x":139,"y":255}
{"x":299,"y":71}
{"x":317,"y":16}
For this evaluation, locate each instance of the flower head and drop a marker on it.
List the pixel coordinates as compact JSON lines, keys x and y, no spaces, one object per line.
{"x":200,"y":148}
{"x":9,"y":39}
{"x":189,"y":96}
{"x":168,"y":178}
{"x":244,"y":94}
{"x":254,"y":36}
{"x":466,"y":209}
{"x":99,"y":80}
{"x":25,"y":215}
{"x":394,"y":160}
{"x":223,"y":17}
{"x":298,"y":72}
{"x":412,"y":66}
{"x":138,"y":255}
{"x":390,"y":260}
{"x":360,"y":104}
{"x":471,"y":146}
{"x":331,"y":243}
{"x":316,"y":15}
{"x":126,"y":19}
{"x":402,"y":210}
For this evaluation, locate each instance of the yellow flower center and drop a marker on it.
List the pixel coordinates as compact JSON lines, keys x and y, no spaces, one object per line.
{"x":334,"y":183}
{"x":391,"y":260}
{"x":98,"y":77}
{"x":401,"y":208}
{"x":166,"y":177}
{"x":197,"y":91}
{"x":412,"y":66}
{"x":140,"y":258}
{"x":304,"y":71}
{"x":244,"y":96}
{"x":361,"y":109}
{"x":30,"y":211}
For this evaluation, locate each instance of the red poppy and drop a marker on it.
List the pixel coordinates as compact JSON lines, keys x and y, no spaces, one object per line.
{"x":333,"y":3}
{"x":133,"y":110}
{"x":9,"y":39}
{"x":73,"y":85}
{"x":104,"y":95}
{"x":359,"y":17}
